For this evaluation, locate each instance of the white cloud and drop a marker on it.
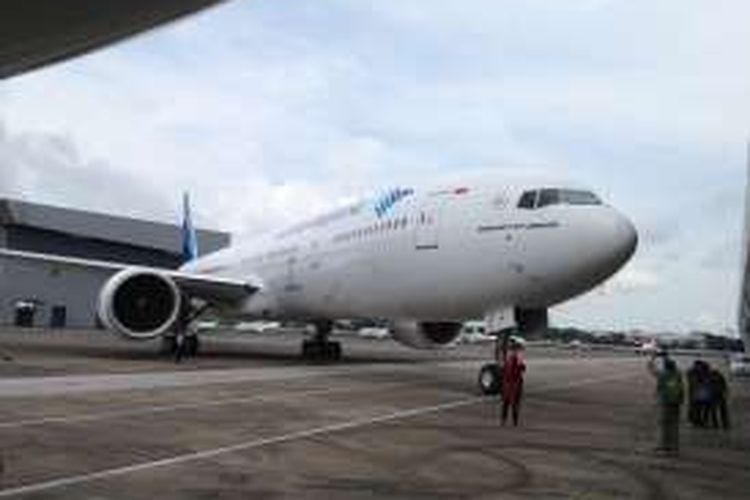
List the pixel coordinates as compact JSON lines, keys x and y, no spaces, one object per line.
{"x":47,"y":168}
{"x":634,"y":280}
{"x":707,"y":321}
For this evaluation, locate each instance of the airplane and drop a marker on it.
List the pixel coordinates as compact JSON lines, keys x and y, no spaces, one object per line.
{"x":35,"y":33}
{"x":427,"y":259}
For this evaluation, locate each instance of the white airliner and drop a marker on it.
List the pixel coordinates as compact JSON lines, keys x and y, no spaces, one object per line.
{"x":427,"y":259}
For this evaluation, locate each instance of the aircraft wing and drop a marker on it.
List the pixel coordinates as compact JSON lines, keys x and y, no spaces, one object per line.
{"x":212,"y":289}
{"x":34,"y":33}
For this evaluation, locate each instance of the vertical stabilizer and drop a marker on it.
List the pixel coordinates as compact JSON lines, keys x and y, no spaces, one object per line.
{"x":744,"y":309}
{"x":189,"y":238}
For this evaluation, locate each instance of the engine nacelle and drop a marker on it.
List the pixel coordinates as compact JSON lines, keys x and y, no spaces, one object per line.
{"x":139,"y":304}
{"x":427,"y":335}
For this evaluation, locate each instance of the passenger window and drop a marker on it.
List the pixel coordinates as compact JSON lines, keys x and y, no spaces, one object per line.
{"x":527,"y":200}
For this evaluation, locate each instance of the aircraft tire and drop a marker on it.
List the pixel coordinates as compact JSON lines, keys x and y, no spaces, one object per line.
{"x":321,"y":351}
{"x":192,"y":345}
{"x":334,"y":351}
{"x":489,"y":379}
{"x":311,"y":350}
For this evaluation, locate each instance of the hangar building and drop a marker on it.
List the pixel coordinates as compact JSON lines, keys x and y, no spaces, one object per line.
{"x":53,"y":295}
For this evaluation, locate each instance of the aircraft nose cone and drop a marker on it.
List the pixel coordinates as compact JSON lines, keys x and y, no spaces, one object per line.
{"x":616,"y":241}
{"x":598,"y":242}
{"x":624,"y":239}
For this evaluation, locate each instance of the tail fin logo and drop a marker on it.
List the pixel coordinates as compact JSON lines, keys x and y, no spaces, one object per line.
{"x":189,"y":238}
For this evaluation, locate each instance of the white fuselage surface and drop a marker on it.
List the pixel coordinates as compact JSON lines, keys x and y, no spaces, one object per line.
{"x":443,"y":254}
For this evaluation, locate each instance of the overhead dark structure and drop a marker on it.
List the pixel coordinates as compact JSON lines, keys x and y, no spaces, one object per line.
{"x":35,"y":33}
{"x":744,"y":309}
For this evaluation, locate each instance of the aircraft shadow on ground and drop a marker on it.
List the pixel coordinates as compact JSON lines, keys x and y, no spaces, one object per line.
{"x":210,"y":352}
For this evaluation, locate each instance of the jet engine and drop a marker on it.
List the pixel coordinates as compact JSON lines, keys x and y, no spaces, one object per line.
{"x":427,"y":335}
{"x":139,"y":304}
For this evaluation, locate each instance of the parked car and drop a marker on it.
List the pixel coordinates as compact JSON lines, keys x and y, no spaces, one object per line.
{"x":257,"y":326}
{"x":474,"y":332}
{"x":206,"y":325}
{"x":739,"y":365}
{"x":578,"y":345}
{"x":518,"y":340}
{"x":374,"y":332}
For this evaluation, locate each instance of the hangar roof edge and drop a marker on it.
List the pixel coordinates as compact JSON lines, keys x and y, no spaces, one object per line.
{"x":102,"y":226}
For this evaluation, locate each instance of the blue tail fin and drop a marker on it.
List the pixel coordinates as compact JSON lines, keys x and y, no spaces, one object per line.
{"x":189,"y":239}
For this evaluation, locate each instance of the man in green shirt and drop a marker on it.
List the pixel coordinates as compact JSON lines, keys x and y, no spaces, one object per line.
{"x":670,"y":394}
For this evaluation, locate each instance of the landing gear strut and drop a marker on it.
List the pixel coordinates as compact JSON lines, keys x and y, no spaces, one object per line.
{"x":182,"y":341}
{"x":319,"y":348}
{"x":490,"y":375}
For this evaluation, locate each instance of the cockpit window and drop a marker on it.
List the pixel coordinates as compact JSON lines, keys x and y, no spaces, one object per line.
{"x":578,"y":197}
{"x":550,"y":196}
{"x":528,"y":200}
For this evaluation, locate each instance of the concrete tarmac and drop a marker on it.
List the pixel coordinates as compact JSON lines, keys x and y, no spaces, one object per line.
{"x":85,"y":415}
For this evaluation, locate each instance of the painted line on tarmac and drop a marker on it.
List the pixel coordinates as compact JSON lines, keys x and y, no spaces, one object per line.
{"x":280,"y":439}
{"x":149,"y":410}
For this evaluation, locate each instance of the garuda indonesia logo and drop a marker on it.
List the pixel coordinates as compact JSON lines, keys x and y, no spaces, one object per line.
{"x":384,"y":203}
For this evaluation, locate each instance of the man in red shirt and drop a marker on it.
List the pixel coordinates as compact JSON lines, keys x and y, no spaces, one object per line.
{"x":512,"y":382}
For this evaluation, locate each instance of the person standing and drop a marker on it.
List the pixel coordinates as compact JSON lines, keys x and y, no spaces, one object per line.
{"x":693,"y":412}
{"x":670,"y":394}
{"x":704,"y":394}
{"x":718,"y":414}
{"x":180,"y":346}
{"x":699,"y":393}
{"x":512,"y":383}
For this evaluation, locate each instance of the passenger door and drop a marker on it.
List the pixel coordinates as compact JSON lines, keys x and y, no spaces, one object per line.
{"x":427,"y":225}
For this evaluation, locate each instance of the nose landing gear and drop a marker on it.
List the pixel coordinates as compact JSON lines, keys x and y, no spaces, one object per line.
{"x":489,"y":379}
{"x":490,"y":374}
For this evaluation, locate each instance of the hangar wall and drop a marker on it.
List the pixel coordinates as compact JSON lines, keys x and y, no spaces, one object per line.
{"x":44,"y":288}
{"x":44,"y":295}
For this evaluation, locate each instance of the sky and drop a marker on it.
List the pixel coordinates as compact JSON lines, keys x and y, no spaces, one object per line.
{"x":269,"y":111}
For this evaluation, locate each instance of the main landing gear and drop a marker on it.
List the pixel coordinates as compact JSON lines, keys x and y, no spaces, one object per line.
{"x":182,"y":341}
{"x":319,"y":348}
{"x":179,"y":345}
{"x":490,"y":374}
